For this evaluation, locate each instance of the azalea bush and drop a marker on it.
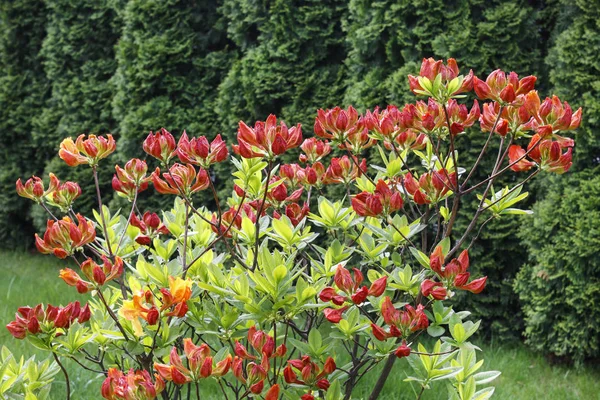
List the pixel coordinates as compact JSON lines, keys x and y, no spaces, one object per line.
{"x":284,"y":290}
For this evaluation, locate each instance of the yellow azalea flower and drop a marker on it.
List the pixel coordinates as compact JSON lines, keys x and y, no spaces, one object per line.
{"x":180,"y":289}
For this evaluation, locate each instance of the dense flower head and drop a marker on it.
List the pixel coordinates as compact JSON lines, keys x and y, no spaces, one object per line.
{"x":545,"y":152}
{"x":232,"y":218}
{"x":34,"y":188}
{"x":141,"y":305}
{"x":267,"y":139}
{"x":150,"y":226}
{"x":401,"y":323}
{"x":551,"y":115}
{"x":430,"y":187}
{"x":63,"y":237}
{"x":357,"y":139}
{"x":506,"y":90}
{"x":460,"y":117}
{"x":86,"y":151}
{"x":34,"y":320}
{"x":160,"y":145}
{"x":180,"y":180}
{"x":335,"y":124}
{"x":262,"y":344}
{"x":312,"y":175}
{"x":130,"y":180}
{"x":515,"y":120}
{"x":294,"y":212}
{"x":314,"y":150}
{"x":434,"y":71}
{"x":200,"y":363}
{"x":97,"y":275}
{"x":199,"y":151}
{"x":305,"y":371}
{"x":350,"y":285}
{"x":453,"y":273}
{"x":135,"y":385}
{"x":384,"y":200}
{"x":344,"y":170}
{"x":279,"y":193}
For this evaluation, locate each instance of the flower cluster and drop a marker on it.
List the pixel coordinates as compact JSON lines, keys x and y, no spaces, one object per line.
{"x":200,"y":363}
{"x":86,"y":151}
{"x":311,"y":374}
{"x":352,"y":289}
{"x":401,"y":323}
{"x":131,"y":180}
{"x":136,"y":385}
{"x":382,"y":201}
{"x":150,"y":226}
{"x":267,"y":139}
{"x":38,"y":319}
{"x":63,"y":237}
{"x":97,"y":275}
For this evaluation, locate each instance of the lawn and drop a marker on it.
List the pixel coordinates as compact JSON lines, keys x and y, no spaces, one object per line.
{"x":31,"y":279}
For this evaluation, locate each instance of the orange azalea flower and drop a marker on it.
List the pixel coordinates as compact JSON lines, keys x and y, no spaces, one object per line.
{"x":34,"y":188}
{"x":86,"y":151}
{"x":180,"y":178}
{"x":63,"y":237}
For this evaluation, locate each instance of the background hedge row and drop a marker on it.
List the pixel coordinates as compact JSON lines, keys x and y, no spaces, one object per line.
{"x":131,"y":66}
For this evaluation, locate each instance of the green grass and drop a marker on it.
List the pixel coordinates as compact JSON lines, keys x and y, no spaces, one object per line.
{"x":30,"y":279}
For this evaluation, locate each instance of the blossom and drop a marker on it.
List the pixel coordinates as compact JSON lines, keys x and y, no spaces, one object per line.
{"x":312,"y":175}
{"x":201,"y":364}
{"x":199,"y":151}
{"x":515,"y":120}
{"x":516,"y":156}
{"x":403,"y":350}
{"x":314,"y":150}
{"x":86,"y":151}
{"x":97,"y":275}
{"x":454,"y":272}
{"x":401,"y":323}
{"x":504,"y":89}
{"x":136,"y":385}
{"x":432,"y":70}
{"x":63,"y":237}
{"x":141,"y":306}
{"x":344,"y":170}
{"x":461,"y":118}
{"x":180,"y":180}
{"x":351,"y":287}
{"x":306,"y":372}
{"x":552,"y":115}
{"x":150,"y":226}
{"x":130,"y":180}
{"x":33,"y":320}
{"x":279,"y":193}
{"x":335,"y":124}
{"x":34,"y":188}
{"x":431,"y":187}
{"x":160,"y":145}
{"x":262,"y":343}
{"x":267,"y":139}
{"x":382,"y":200}
{"x":294,"y":212}
{"x":357,"y":139}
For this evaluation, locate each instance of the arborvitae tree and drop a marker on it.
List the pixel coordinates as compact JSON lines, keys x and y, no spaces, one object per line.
{"x":291,"y":63}
{"x":23,"y":88}
{"x":389,"y":39}
{"x":574,"y":71}
{"x":171,"y":58}
{"x":562,"y":240}
{"x":560,"y":286}
{"x":79,"y":61}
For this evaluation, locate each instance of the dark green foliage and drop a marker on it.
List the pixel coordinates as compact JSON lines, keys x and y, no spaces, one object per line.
{"x":171,"y":58}
{"x":560,"y":286}
{"x":23,"y":88}
{"x":574,"y":73}
{"x":79,"y":61}
{"x":291,"y":61}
